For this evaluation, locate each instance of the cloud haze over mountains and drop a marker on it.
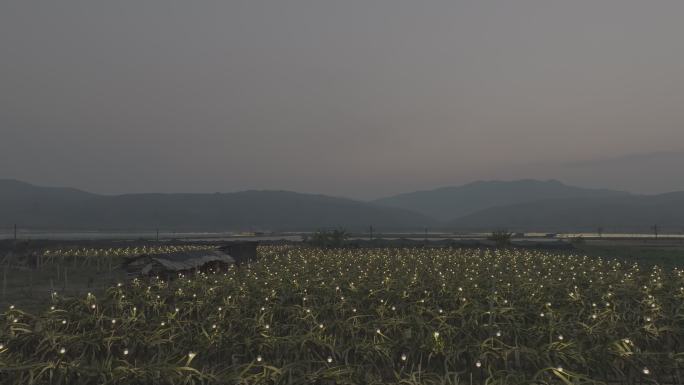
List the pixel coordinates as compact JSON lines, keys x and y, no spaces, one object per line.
{"x":642,"y":173}
{"x":354,"y":98}
{"x":646,"y":173}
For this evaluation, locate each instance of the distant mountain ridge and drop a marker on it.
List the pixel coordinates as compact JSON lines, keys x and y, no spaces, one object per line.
{"x":64,"y":208}
{"x":632,"y":213}
{"x":524,"y":205}
{"x":448,"y":203}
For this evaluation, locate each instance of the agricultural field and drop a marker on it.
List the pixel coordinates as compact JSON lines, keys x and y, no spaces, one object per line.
{"x":29,"y":276}
{"x":364,"y":316}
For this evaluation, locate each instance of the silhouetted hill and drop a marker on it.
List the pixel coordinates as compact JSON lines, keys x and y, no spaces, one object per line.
{"x":36,"y":207}
{"x":536,"y":206}
{"x":638,"y":213}
{"x":447,"y":203}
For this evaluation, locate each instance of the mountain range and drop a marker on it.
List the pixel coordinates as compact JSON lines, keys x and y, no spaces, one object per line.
{"x":449,"y":203}
{"x":625,"y":213}
{"x":522,"y":205}
{"x":36,"y":207}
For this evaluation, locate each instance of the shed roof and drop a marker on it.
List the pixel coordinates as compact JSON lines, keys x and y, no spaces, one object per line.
{"x":180,"y":261}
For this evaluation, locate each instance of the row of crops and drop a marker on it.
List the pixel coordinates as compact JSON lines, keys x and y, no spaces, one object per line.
{"x":86,"y":255}
{"x":378,"y":316}
{"x":121,"y":251}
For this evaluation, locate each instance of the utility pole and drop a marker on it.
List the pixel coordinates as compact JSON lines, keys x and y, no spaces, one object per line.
{"x":655,"y":231}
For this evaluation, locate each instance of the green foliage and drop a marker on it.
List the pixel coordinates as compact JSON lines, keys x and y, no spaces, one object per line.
{"x":502,"y":238}
{"x":374,"y":316}
{"x":89,"y":254}
{"x":328,"y":239}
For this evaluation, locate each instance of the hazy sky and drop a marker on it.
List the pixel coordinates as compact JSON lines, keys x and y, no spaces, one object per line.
{"x":350,"y":98}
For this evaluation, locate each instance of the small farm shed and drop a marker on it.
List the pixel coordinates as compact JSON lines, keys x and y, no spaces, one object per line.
{"x":173,"y":263}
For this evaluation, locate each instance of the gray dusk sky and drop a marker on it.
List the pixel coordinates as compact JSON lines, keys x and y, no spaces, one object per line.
{"x":349,"y":98}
